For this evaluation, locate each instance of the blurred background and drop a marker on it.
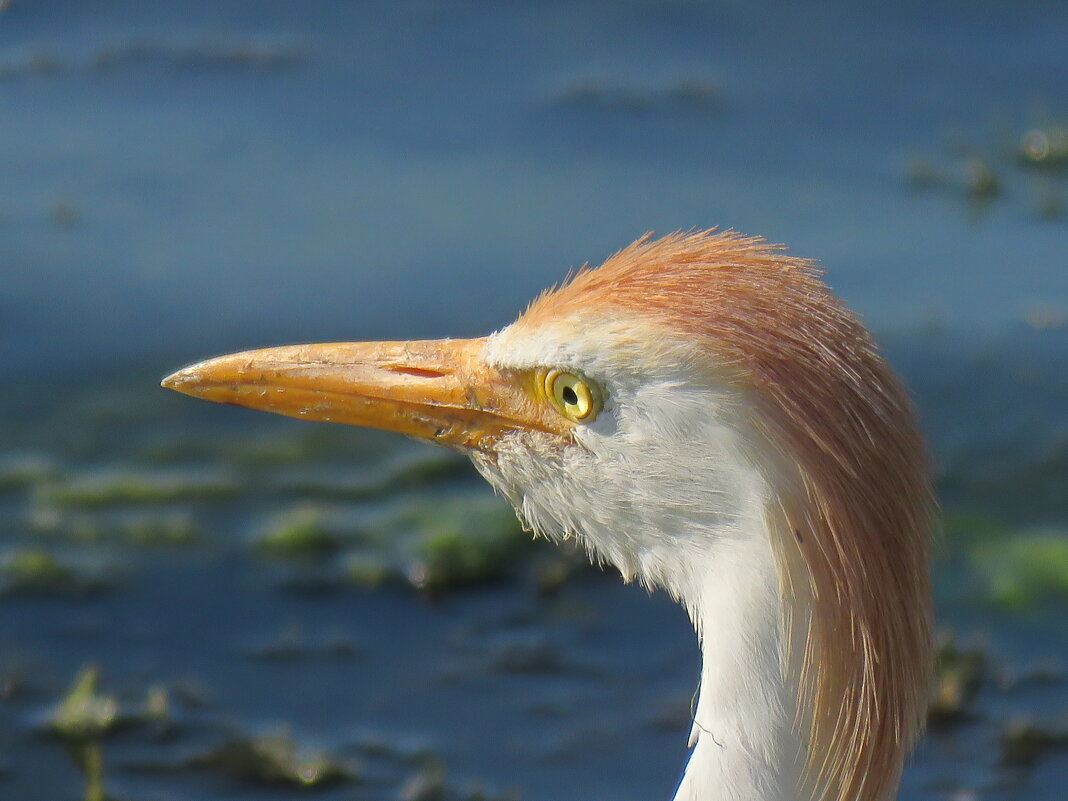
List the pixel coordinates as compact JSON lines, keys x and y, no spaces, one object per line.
{"x":202,"y":602}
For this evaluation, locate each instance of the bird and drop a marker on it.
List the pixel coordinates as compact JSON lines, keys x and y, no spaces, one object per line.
{"x":703,"y":413}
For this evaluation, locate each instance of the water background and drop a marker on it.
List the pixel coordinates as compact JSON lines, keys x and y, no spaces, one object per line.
{"x":180,"y":180}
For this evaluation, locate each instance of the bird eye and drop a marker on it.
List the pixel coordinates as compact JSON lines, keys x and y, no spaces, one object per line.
{"x":574,"y":397}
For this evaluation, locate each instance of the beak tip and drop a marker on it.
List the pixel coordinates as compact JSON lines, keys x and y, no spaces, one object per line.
{"x":177,"y":381}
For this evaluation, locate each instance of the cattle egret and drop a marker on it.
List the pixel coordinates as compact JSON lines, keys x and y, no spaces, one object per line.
{"x":701,"y":412}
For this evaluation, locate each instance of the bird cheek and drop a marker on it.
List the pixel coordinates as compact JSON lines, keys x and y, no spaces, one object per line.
{"x":598,"y":436}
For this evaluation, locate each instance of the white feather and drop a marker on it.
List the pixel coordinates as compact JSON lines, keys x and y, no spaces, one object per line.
{"x":671,"y":484}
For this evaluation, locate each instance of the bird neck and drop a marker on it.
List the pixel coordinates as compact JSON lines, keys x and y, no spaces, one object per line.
{"x":745,"y":744}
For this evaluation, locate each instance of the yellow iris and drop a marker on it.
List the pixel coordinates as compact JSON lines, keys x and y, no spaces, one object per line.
{"x":573,"y":396}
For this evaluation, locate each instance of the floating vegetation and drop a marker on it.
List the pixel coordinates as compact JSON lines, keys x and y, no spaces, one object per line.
{"x":84,"y":713}
{"x":19,"y":471}
{"x":64,"y":213}
{"x":163,"y":530}
{"x":1023,"y":743}
{"x":1030,"y":164}
{"x":300,"y":445}
{"x":256,"y":56}
{"x":277,"y":449}
{"x":275,"y":759}
{"x":434,"y":544}
{"x":300,"y":532}
{"x":139,"y":529}
{"x":699,"y":94}
{"x":535,"y":656}
{"x":81,"y":719}
{"x":1046,"y":316}
{"x":35,"y":571}
{"x":1046,"y":672}
{"x":447,"y":559}
{"x":104,"y":488}
{"x":157,"y":706}
{"x":1025,"y":569}
{"x":462,"y":544}
{"x":367,"y":570}
{"x":410,"y":471}
{"x":959,"y":672}
{"x":426,"y":784}
{"x":292,"y":644}
{"x":1045,"y":147}
{"x":975,"y":178}
{"x":40,"y":63}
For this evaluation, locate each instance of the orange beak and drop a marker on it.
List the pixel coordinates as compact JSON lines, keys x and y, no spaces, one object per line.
{"x":438,"y":390}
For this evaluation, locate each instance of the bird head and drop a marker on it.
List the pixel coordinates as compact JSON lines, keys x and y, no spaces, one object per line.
{"x":692,"y":392}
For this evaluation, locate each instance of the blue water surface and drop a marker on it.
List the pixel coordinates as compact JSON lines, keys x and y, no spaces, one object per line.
{"x":184,"y":179}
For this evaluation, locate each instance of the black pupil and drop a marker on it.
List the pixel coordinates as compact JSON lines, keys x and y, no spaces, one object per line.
{"x":570,"y":398}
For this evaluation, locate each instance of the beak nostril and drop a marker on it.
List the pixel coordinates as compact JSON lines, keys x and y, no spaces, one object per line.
{"x":418,"y":372}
